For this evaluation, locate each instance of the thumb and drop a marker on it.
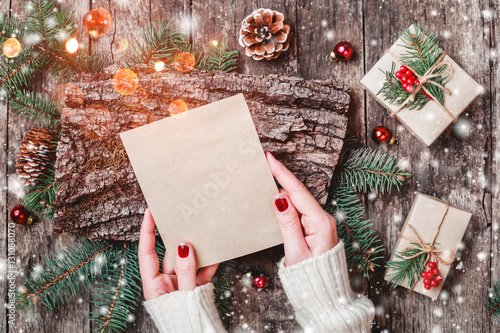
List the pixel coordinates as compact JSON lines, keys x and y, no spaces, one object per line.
{"x":185,"y":267}
{"x":295,"y":245}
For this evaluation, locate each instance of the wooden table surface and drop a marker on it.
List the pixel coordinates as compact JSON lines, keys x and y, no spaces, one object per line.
{"x":462,"y":170}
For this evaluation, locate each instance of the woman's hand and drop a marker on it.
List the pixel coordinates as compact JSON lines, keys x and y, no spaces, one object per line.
{"x":156,"y":283}
{"x":306,"y":228}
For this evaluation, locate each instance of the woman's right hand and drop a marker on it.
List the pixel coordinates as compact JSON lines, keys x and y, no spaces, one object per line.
{"x":307,"y":229}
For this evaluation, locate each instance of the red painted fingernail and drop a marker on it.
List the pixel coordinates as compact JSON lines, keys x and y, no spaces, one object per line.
{"x":183,"y":250}
{"x":281,"y":203}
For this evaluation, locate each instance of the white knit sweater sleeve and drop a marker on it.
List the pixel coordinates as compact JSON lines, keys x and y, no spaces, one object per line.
{"x":186,"y":311}
{"x":319,"y":291}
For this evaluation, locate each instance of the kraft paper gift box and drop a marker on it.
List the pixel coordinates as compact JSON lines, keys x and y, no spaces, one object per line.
{"x":430,"y":122}
{"x":206,"y":181}
{"x":425,"y":216}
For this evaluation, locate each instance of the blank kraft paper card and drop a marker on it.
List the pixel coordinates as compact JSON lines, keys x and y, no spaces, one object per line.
{"x":206,"y":181}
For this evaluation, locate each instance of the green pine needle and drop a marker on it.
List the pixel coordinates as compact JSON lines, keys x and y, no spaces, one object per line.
{"x":422,"y":51}
{"x":493,"y":302}
{"x":67,"y":274}
{"x":9,"y":27}
{"x":369,"y":170}
{"x":35,"y":107}
{"x":219,"y":59}
{"x":118,"y":295}
{"x":42,"y":195}
{"x":223,"y":285}
{"x":406,"y":268}
{"x":362,"y":246}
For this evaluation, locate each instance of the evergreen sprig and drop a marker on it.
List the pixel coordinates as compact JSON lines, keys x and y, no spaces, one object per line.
{"x":65,"y":275}
{"x":42,"y":196}
{"x":370,"y":170}
{"x":219,"y":59}
{"x":117,"y":296}
{"x":493,"y":302}
{"x":406,"y":268}
{"x":35,"y":107}
{"x":222,"y":287}
{"x":362,"y":246}
{"x":421,"y":53}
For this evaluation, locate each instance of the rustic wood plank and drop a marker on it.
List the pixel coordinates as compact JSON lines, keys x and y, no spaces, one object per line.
{"x":492,"y":22}
{"x":441,"y":170}
{"x":38,"y":236}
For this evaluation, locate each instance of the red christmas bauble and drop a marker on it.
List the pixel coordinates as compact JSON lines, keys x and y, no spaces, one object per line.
{"x":342,"y":51}
{"x":21,"y":215}
{"x":260,"y":281}
{"x":382,"y":134}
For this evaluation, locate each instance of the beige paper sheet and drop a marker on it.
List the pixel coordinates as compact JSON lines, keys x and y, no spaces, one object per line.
{"x":206,"y":181}
{"x":430,"y":122}
{"x":424,"y":217}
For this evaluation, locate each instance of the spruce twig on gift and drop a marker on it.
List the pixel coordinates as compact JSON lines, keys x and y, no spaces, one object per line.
{"x":493,"y":303}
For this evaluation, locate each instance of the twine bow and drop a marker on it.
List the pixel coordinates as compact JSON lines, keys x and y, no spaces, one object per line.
{"x":428,"y":248}
{"x":426,"y":78}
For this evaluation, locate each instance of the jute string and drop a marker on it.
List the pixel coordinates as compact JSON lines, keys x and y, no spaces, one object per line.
{"x":428,"y":248}
{"x":426,"y":78}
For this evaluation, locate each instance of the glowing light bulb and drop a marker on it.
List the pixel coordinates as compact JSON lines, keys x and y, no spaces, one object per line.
{"x":72,"y":45}
{"x":214,"y":43}
{"x":159,"y":66}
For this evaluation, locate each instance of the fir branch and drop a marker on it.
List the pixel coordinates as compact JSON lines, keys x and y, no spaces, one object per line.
{"x":35,"y":107}
{"x":369,"y":170}
{"x":18,"y":72}
{"x":493,"y":302}
{"x":43,"y":195}
{"x":9,"y":27}
{"x":421,"y":52}
{"x":118,"y":295}
{"x":64,"y":276}
{"x":219,"y":59}
{"x":406,"y":268}
{"x":41,"y":18}
{"x":158,"y":43}
{"x":362,"y":246}
{"x":222,"y":290}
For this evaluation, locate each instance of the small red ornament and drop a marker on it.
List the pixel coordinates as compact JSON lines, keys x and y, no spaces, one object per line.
{"x":434,"y":283}
{"x":432,"y":264}
{"x":435,"y":271}
{"x":342,"y":51}
{"x":260,"y":281}
{"x":438,"y":278}
{"x":20,"y":215}
{"x":424,"y":274}
{"x":427,"y":281}
{"x":427,"y":286}
{"x":382,"y":134}
{"x":430,"y":275}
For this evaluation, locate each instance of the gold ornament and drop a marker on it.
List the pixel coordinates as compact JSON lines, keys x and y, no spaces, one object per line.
{"x":11,"y":47}
{"x":125,"y":81}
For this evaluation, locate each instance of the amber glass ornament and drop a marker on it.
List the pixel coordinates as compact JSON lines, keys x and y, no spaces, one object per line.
{"x":382,"y":134}
{"x":98,"y":22}
{"x":184,"y":62}
{"x":177,"y":106}
{"x":125,"y":81}
{"x":11,"y":48}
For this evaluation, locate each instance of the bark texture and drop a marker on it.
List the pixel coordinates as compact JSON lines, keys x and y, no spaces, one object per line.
{"x":301,"y":121}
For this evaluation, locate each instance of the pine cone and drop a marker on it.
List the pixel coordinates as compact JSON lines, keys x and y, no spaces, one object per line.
{"x":264,"y":35}
{"x":36,"y":154}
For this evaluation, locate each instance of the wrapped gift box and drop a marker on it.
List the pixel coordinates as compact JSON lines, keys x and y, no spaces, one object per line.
{"x":428,"y":123}
{"x":425,"y":216}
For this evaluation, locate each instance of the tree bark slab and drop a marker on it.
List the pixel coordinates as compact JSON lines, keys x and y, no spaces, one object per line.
{"x":302,"y":122}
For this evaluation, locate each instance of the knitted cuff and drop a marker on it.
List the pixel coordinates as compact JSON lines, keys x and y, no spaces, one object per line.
{"x":186,"y":311}
{"x":319,"y":291}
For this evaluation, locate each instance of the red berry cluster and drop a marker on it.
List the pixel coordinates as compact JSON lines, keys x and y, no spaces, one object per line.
{"x":431,"y":277}
{"x":407,"y":78}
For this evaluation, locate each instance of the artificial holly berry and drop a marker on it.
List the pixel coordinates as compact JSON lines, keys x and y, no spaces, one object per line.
{"x":20,"y":215}
{"x":438,"y":278}
{"x":434,"y":283}
{"x":399,"y":75}
{"x":432,"y":264}
{"x":427,"y":281}
{"x":430,"y":275}
{"x":435,"y":271}
{"x":382,"y":134}
{"x":427,"y":286}
{"x":424,"y":274}
{"x":402,"y":69}
{"x":342,"y":51}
